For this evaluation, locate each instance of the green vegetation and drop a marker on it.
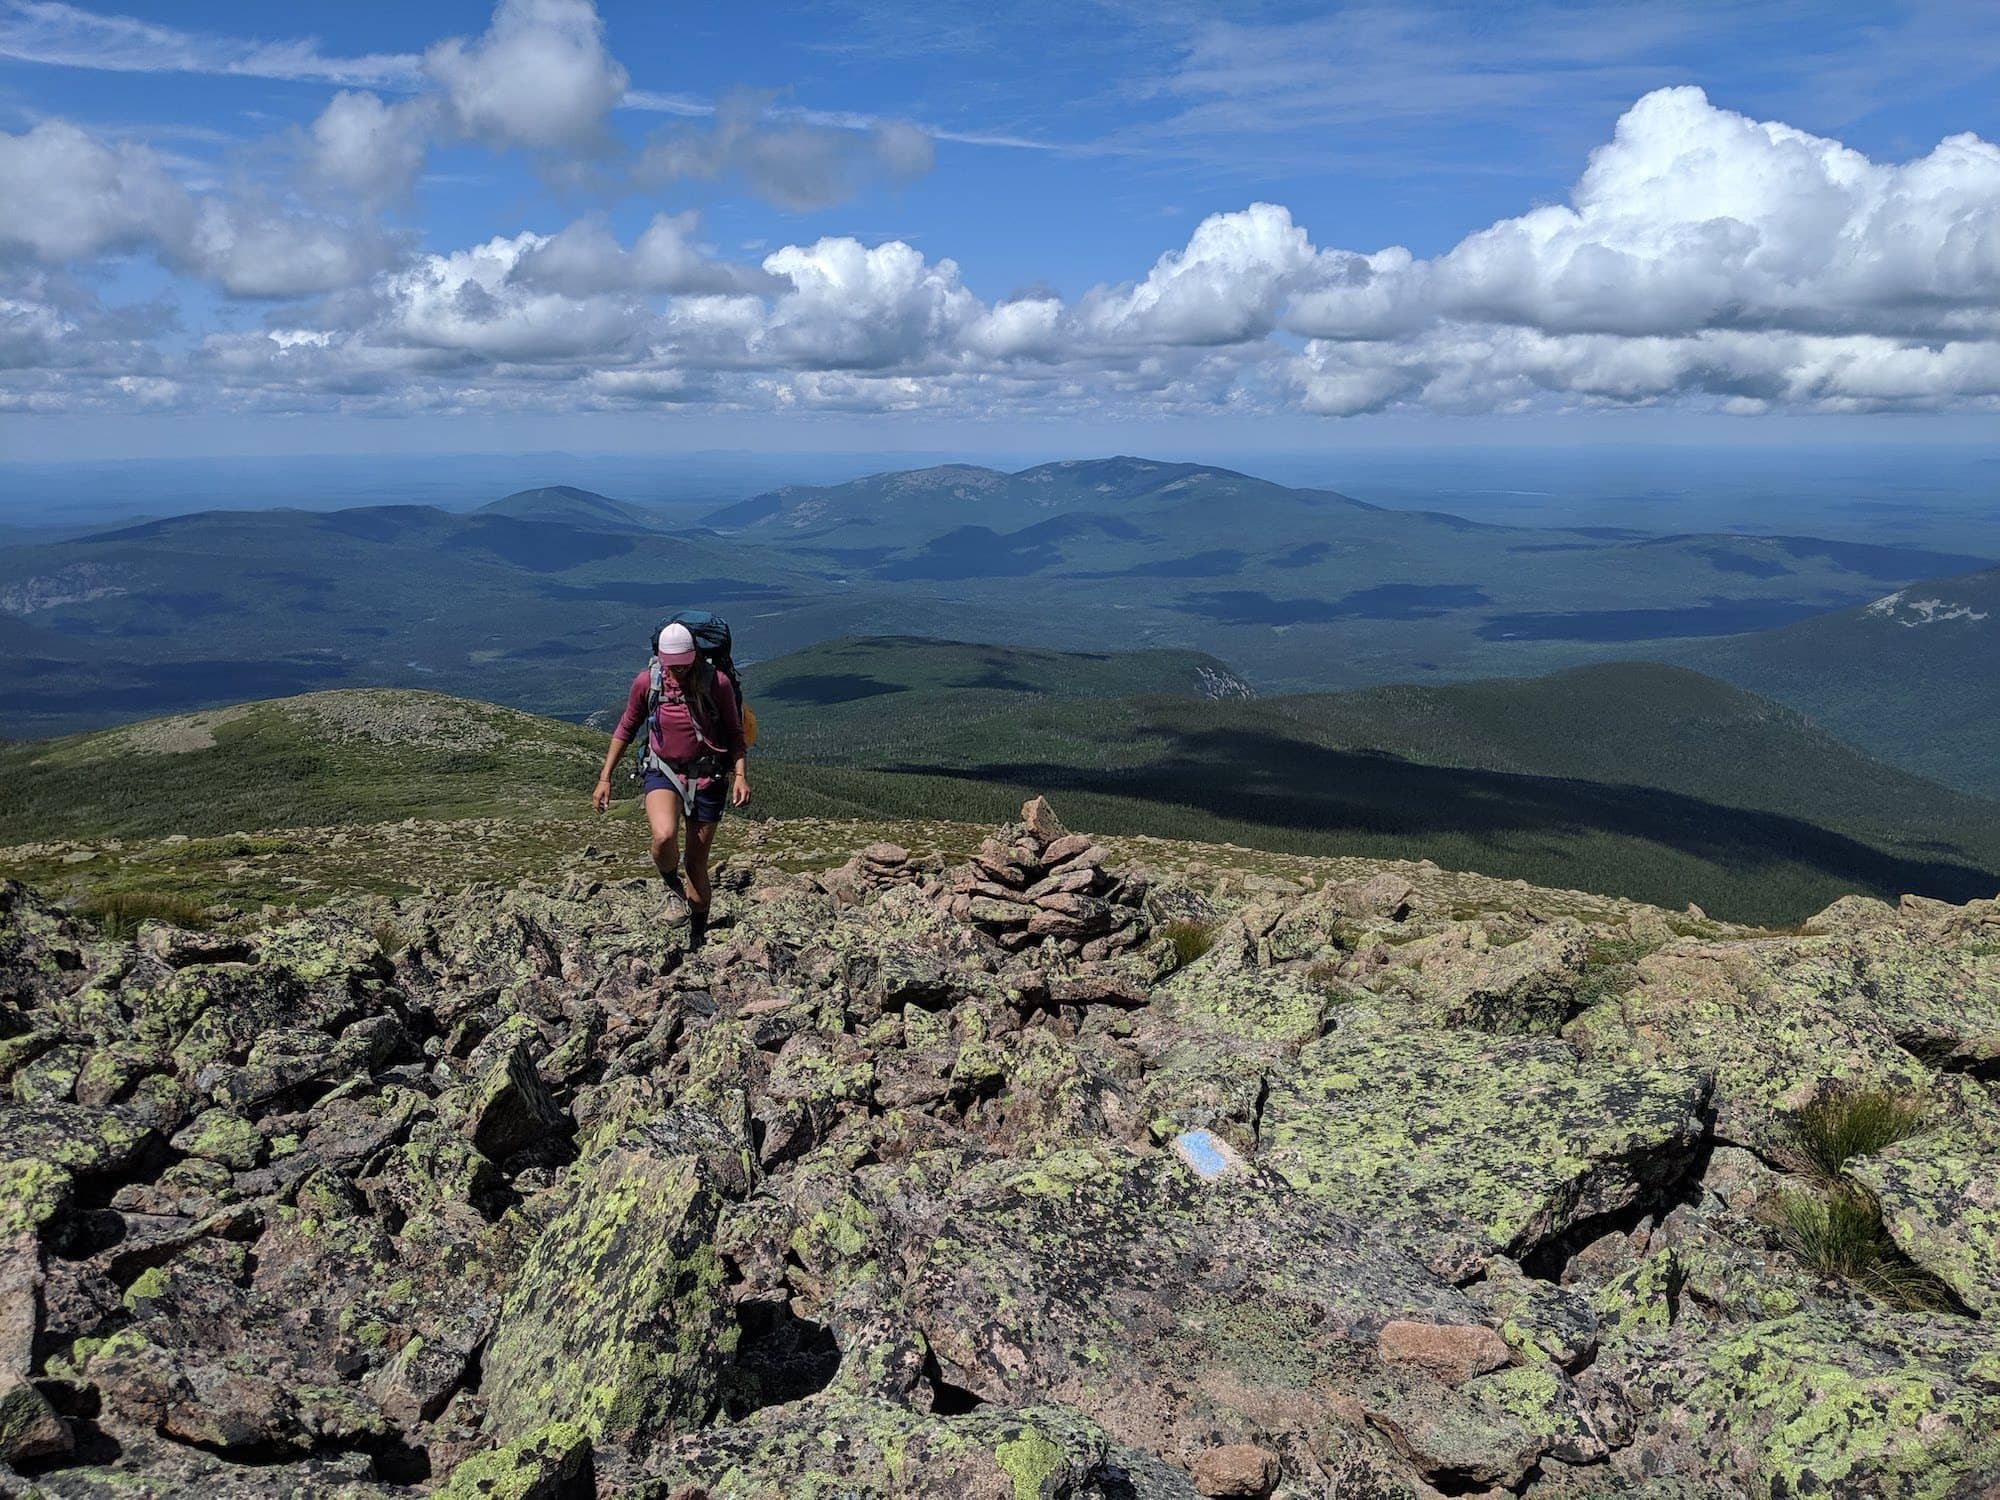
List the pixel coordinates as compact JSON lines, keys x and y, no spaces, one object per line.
{"x":1843,"y":1123}
{"x":1190,"y":939}
{"x":1633,"y":780}
{"x":1838,"y":1232}
{"x":119,"y":913}
{"x":1913,"y":677}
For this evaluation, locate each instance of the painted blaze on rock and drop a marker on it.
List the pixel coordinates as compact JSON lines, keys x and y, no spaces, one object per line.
{"x":615,"y":1321}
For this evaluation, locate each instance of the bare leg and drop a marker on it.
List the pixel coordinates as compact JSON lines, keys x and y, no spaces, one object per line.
{"x":663,"y":813}
{"x":701,"y":838}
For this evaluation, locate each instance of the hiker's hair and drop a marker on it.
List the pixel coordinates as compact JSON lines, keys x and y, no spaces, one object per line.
{"x":701,"y":687}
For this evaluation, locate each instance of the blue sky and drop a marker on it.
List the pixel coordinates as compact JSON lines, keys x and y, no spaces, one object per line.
{"x":251,"y":228}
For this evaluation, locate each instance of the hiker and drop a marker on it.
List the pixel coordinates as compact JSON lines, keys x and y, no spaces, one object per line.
{"x":695,"y":737}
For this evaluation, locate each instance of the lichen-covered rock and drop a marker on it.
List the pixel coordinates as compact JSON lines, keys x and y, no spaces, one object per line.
{"x":1845,"y":1402}
{"x":1777,"y":1020}
{"x":1470,"y":1144}
{"x":872,"y":1450}
{"x":550,"y":1463}
{"x":1940,"y":1199}
{"x":1167,"y":1307}
{"x":614,"y":1320}
{"x":958,"y":1182}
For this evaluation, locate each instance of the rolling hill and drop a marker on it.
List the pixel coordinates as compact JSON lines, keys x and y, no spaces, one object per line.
{"x":565,"y":504}
{"x":1913,"y":677}
{"x":1635,"y":780}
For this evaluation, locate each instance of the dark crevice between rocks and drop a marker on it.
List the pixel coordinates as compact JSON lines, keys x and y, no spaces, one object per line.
{"x":1257,"y":1111}
{"x":780,"y":1358}
{"x":400,"y":1461}
{"x":1548,"y":1260}
{"x":948,"y":1400}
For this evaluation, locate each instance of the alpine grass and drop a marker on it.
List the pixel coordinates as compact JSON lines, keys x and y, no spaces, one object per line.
{"x":1190,"y":939}
{"x":119,"y":913}
{"x":1844,"y":1123}
{"x":1838,"y":1232}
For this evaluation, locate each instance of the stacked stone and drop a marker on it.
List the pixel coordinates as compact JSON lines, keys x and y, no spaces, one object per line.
{"x":1035,"y":881}
{"x":880,"y":867}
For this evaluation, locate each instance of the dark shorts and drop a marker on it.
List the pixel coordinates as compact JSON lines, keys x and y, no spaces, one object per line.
{"x":708,"y":800}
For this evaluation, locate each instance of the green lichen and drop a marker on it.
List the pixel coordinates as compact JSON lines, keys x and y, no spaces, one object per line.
{"x":1030,"y":1460}
{"x":615,"y":1321}
{"x":542,"y":1464}
{"x":151,"y":1283}
{"x":32,"y":1192}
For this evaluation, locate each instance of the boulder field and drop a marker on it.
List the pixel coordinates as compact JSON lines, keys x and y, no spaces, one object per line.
{"x":1035,"y":1176}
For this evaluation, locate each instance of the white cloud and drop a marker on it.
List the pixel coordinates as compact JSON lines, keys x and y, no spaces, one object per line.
{"x":72,"y":197}
{"x":586,"y":259}
{"x":539,"y":77}
{"x":1695,"y":217}
{"x":366,"y":148}
{"x":860,"y":308}
{"x":1703,"y":258}
{"x":470,"y":301}
{"x":1227,"y":285}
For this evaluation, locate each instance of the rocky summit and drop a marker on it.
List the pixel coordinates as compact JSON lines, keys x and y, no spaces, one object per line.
{"x":1041,"y":1175}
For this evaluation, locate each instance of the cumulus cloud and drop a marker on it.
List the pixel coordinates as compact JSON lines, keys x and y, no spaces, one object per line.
{"x":1702,"y":253}
{"x":539,"y":77}
{"x":586,"y":259}
{"x":72,"y":197}
{"x":1228,"y":284}
{"x":797,"y":164}
{"x":1703,"y":257}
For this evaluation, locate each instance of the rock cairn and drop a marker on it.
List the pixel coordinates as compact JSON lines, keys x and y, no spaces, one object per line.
{"x":882,"y":866}
{"x":1034,"y":881}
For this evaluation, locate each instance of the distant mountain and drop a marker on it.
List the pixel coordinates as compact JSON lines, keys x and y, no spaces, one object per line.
{"x":219,"y":606}
{"x":542,"y":599}
{"x":930,"y":501}
{"x":1913,"y":676}
{"x":566,"y":505}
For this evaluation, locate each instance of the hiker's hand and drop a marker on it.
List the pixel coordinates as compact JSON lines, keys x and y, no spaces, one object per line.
{"x":601,"y":798}
{"x":739,"y":794}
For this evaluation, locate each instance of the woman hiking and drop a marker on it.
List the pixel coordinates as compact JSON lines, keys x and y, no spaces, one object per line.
{"x":696,"y":735}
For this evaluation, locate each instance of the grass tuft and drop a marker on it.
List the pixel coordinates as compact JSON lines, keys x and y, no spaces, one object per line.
{"x":1843,"y":1123}
{"x":119,"y":913}
{"x":1839,"y":1233}
{"x":1190,"y":939}
{"x":391,"y":938}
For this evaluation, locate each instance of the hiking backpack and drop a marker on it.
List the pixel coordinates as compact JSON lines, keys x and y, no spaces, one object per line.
{"x":712,"y":645}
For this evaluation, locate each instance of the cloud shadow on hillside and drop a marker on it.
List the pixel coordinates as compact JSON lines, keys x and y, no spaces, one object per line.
{"x":1263,"y":779}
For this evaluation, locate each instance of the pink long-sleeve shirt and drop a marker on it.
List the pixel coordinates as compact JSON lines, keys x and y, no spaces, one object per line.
{"x":675,"y":739}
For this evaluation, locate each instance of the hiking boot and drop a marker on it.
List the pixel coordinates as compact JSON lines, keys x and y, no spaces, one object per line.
{"x":697,"y":925}
{"x":675,"y":906}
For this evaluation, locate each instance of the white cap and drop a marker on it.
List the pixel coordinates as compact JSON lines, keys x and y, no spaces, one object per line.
{"x":676,"y":645}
